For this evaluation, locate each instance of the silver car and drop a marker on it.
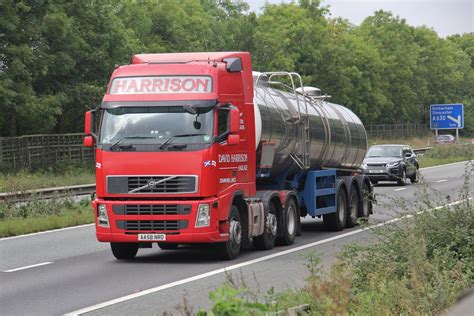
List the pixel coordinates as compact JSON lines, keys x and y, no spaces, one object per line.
{"x":391,"y":163}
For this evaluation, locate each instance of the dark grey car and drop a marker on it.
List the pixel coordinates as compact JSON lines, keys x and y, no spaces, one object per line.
{"x":391,"y":163}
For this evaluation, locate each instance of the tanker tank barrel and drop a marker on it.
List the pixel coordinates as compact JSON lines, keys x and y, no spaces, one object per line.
{"x":307,"y":132}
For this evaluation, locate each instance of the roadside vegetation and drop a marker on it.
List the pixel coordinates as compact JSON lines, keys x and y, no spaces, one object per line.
{"x":383,"y":69}
{"x":62,"y":173}
{"x":419,"y":266}
{"x":41,"y":215}
{"x":444,"y":154}
{"x":414,"y":142}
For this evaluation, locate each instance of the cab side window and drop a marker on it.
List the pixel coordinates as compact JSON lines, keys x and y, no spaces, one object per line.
{"x":223,"y":116}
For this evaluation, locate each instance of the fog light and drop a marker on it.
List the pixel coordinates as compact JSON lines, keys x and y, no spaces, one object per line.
{"x":102,"y":218}
{"x":203,"y":218}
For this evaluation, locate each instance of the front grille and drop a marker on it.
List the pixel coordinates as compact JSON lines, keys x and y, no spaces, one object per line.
{"x":151,"y":184}
{"x":376,"y":166}
{"x":161,"y":184}
{"x":152,"y":225}
{"x":151,"y":209}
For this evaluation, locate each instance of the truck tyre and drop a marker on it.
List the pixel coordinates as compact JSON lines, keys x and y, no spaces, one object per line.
{"x":288,"y":224}
{"x":167,"y":246}
{"x":366,"y":205}
{"x":403,"y":179}
{"x":267,"y":240}
{"x":353,"y":213}
{"x":231,"y":248}
{"x":337,"y":221}
{"x":124,"y":250}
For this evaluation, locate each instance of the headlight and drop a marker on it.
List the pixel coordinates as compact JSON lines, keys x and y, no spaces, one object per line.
{"x":363,"y":165}
{"x":102,"y":217}
{"x":393,"y":164}
{"x":203,"y":218}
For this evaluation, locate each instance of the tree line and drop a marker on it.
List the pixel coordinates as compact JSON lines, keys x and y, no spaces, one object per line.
{"x":56,"y":56}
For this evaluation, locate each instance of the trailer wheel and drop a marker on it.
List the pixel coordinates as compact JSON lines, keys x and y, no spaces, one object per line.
{"x":167,"y":246}
{"x":353,"y":207}
{"x":267,"y":240}
{"x":288,"y":224}
{"x":124,"y":250}
{"x":336,"y":221}
{"x":366,"y":205}
{"x":231,"y":248}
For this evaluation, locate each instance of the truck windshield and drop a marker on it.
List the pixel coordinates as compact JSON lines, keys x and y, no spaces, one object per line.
{"x":158,"y":128}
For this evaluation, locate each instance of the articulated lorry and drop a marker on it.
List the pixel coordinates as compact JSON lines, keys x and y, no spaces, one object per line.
{"x":195,"y":148}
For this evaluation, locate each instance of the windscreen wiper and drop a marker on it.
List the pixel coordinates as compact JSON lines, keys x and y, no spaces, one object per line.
{"x":117,"y":143}
{"x":169,"y":140}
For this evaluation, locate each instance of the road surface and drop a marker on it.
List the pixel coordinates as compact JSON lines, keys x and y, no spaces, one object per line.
{"x":66,"y":271}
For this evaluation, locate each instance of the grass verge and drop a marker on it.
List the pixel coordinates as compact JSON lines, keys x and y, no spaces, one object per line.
{"x":37,"y":216}
{"x":418,"y":266}
{"x":446,"y":154}
{"x":60,"y":174}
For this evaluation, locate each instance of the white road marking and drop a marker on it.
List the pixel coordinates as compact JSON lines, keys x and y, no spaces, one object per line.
{"x":400,"y":189}
{"x":46,"y":232}
{"x":28,"y":267}
{"x":440,"y":181}
{"x":242,"y":264}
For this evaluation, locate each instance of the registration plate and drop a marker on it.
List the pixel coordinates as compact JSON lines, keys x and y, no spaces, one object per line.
{"x":151,"y":237}
{"x":375,"y":171}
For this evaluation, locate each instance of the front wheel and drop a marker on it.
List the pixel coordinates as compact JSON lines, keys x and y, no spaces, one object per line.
{"x":231,"y":248}
{"x":288,"y":224}
{"x":416,"y":177}
{"x":403,"y":179}
{"x":124,"y":250}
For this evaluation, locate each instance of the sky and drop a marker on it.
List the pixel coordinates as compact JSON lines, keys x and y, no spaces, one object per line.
{"x":446,"y":17}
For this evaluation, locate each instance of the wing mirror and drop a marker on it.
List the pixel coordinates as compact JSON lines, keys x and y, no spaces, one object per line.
{"x":89,"y":129}
{"x":408,"y":155}
{"x":233,"y":139}
{"x":234,"y":120}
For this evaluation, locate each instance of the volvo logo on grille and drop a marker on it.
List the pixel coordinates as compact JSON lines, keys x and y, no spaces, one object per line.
{"x":151,"y":184}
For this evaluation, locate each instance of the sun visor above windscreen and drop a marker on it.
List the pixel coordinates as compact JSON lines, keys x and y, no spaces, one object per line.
{"x":193,"y":103}
{"x":161,"y":85}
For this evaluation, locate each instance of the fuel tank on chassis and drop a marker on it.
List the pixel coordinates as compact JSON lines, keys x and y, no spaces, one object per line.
{"x":337,"y":136}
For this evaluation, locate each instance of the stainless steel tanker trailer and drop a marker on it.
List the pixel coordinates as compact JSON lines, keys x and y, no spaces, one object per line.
{"x":312,"y":147}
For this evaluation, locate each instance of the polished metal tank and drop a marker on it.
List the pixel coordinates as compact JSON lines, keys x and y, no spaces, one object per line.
{"x":337,"y":137}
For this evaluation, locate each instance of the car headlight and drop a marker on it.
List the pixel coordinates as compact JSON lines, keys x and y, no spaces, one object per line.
{"x":393,"y":164}
{"x":102,"y":217}
{"x":363,"y":165}
{"x":203,"y":218}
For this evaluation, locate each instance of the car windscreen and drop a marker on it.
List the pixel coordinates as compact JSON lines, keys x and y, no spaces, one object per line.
{"x":385,"y":151}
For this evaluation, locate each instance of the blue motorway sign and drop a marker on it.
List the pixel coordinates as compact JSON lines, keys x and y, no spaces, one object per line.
{"x":447,"y":116}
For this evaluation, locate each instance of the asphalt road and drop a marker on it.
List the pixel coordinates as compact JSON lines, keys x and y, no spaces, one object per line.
{"x":65,"y":271}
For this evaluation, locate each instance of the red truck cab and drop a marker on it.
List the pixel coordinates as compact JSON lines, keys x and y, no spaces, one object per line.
{"x":174,"y":147}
